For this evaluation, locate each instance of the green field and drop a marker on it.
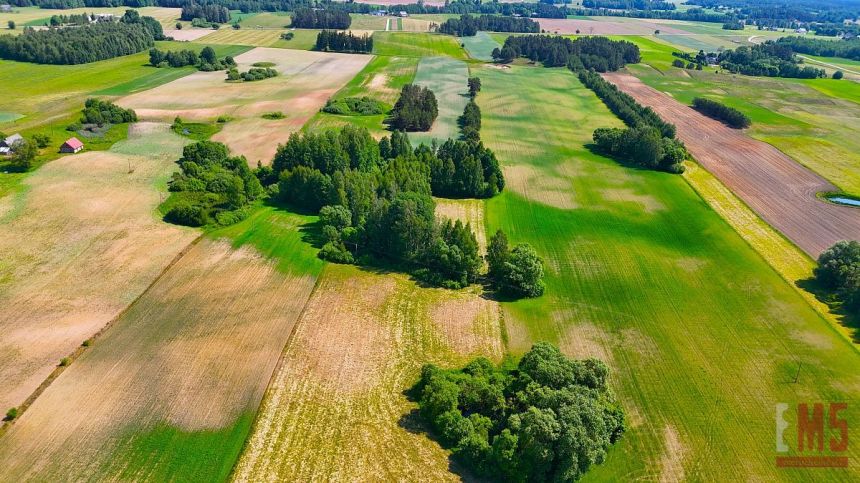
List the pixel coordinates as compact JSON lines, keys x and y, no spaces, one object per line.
{"x":480,"y":46}
{"x":382,"y":79}
{"x":447,"y":79}
{"x":702,"y":336}
{"x":815,"y":121}
{"x":404,"y":44}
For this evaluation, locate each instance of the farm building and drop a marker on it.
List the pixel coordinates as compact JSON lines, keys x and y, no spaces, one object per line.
{"x":6,"y":144}
{"x":73,"y":145}
{"x":5,"y":8}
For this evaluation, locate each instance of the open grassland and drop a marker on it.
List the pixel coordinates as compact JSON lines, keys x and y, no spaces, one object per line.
{"x":756,"y":171}
{"x":170,"y":391}
{"x":335,"y":409}
{"x":269,"y":20}
{"x":447,"y":78}
{"x":480,"y":46}
{"x":306,"y":80}
{"x":80,"y":242}
{"x":702,"y":336}
{"x":402,"y":44}
{"x":368,"y":22}
{"x":382,"y":79}
{"x":815,"y":121}
{"x":255,"y":38}
{"x":62,"y":89}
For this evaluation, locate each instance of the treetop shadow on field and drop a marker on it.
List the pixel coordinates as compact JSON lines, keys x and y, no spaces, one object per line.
{"x":843,"y":316}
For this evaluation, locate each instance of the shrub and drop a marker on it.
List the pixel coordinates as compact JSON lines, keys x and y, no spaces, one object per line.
{"x":678,"y":63}
{"x":274,"y":115}
{"x":517,"y":272}
{"x":65,"y":361}
{"x":11,"y":414}
{"x":354,"y":106}
{"x":838,"y":75}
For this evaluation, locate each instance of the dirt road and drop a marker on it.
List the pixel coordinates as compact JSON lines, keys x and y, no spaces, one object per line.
{"x":778,"y":188}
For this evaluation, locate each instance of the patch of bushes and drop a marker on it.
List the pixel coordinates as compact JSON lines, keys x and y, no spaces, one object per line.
{"x":838,"y":274}
{"x":11,"y":414}
{"x":263,"y":64}
{"x":254,"y":74}
{"x":206,"y":60}
{"x":643,"y":146}
{"x":274,"y":115}
{"x":721,"y":112}
{"x":65,"y":361}
{"x":287,"y":36}
{"x":204,"y":24}
{"x":549,"y":418}
{"x":354,"y":106}
{"x":212,"y":186}
{"x":415,"y":110}
{"x":105,"y":112}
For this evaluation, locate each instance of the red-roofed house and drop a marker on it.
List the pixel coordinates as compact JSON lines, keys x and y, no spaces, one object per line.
{"x":71,"y":146}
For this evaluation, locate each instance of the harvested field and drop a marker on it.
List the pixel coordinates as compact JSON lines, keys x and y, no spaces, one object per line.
{"x":306,"y":80}
{"x":594,"y":27}
{"x":253,"y":37}
{"x":191,"y":358}
{"x":79,"y":244}
{"x":190,"y":35}
{"x":335,"y":409}
{"x":447,"y":79}
{"x":779,"y":189}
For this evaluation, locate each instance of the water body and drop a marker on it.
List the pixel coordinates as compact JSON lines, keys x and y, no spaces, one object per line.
{"x":844,"y":201}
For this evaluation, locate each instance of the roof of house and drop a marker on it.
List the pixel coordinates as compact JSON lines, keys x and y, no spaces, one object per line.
{"x":74,"y":143}
{"x":11,"y":139}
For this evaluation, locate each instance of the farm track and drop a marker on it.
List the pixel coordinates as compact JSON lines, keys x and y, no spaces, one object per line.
{"x":775,"y":186}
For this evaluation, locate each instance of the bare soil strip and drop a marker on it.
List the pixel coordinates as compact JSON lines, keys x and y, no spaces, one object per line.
{"x":775,"y":186}
{"x":78,"y":246}
{"x":195,"y":353}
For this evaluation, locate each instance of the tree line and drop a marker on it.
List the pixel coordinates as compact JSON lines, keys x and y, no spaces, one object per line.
{"x":211,"y":187}
{"x":547,"y":418}
{"x":598,"y":53}
{"x":415,"y":110}
{"x":846,"y":49}
{"x":210,"y":12}
{"x":470,"y":121}
{"x":721,"y":112}
{"x":206,"y":60}
{"x":468,"y":26}
{"x":629,"y":4}
{"x":253,"y":74}
{"x":624,"y":106}
{"x":332,"y":41}
{"x":329,"y":18}
{"x":769,"y":59}
{"x":77,"y":45}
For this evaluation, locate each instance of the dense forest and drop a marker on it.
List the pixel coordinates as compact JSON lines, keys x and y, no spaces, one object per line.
{"x":838,"y":276}
{"x":770,"y":59}
{"x":598,"y":53}
{"x":83,"y":44}
{"x":629,"y":4}
{"x":721,"y":112}
{"x":415,"y":110}
{"x":847,"y":49}
{"x":209,"y":12}
{"x":307,"y":18}
{"x":333,"y":41}
{"x":549,"y":418}
{"x":468,"y":26}
{"x":212,"y":186}
{"x":374,"y":198}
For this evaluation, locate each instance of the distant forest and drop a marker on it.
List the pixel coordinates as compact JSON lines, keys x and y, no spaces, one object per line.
{"x":306,"y":18}
{"x":598,"y":53}
{"x":83,"y":44}
{"x":332,"y":41}
{"x":209,"y":12}
{"x":847,"y":49}
{"x":468,"y":26}
{"x":629,"y":4}
{"x":770,"y":59}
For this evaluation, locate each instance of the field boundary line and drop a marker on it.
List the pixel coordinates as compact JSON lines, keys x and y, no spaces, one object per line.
{"x":819,"y":307}
{"x":82,"y":348}
{"x":277,"y":369}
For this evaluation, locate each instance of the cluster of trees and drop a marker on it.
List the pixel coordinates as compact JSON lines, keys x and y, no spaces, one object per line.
{"x":468,"y":26}
{"x":105,"y":112}
{"x":332,"y":41}
{"x":689,"y":65}
{"x":73,"y":19}
{"x":733,"y":25}
{"x":549,"y":418}
{"x":464,"y":169}
{"x":847,"y":49}
{"x":329,"y":18}
{"x":516,"y":272}
{"x":838,"y":273}
{"x":209,"y":11}
{"x":374,"y":200}
{"x":253,"y":74}
{"x":24,"y":152}
{"x":629,"y":4}
{"x":598,"y":53}
{"x":206,"y":60}
{"x":415,"y":110}
{"x":643,"y":146}
{"x":470,"y":121}
{"x":212,"y":187}
{"x":354,"y":106}
{"x":769,"y":59}
{"x":82,"y":44}
{"x":721,"y":112}
{"x":624,"y":106}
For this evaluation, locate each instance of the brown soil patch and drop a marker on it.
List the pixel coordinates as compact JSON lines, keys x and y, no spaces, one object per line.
{"x":776,"y":187}
{"x":467,"y":211}
{"x":187,"y":35}
{"x":195,"y":351}
{"x":470,"y":324}
{"x":672,"y":461}
{"x":306,"y":80}
{"x":81,"y":244}
{"x":537,"y":186}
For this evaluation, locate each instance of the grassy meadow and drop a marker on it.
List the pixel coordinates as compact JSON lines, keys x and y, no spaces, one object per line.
{"x":447,"y":79}
{"x":403,"y":44}
{"x":480,"y":46}
{"x":703,"y":337}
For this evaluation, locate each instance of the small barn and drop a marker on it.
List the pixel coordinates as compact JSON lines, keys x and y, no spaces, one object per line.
{"x":8,"y":142}
{"x":73,"y":145}
{"x":5,"y":8}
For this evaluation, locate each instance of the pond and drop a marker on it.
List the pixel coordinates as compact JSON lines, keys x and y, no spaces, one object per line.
{"x":844,"y":201}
